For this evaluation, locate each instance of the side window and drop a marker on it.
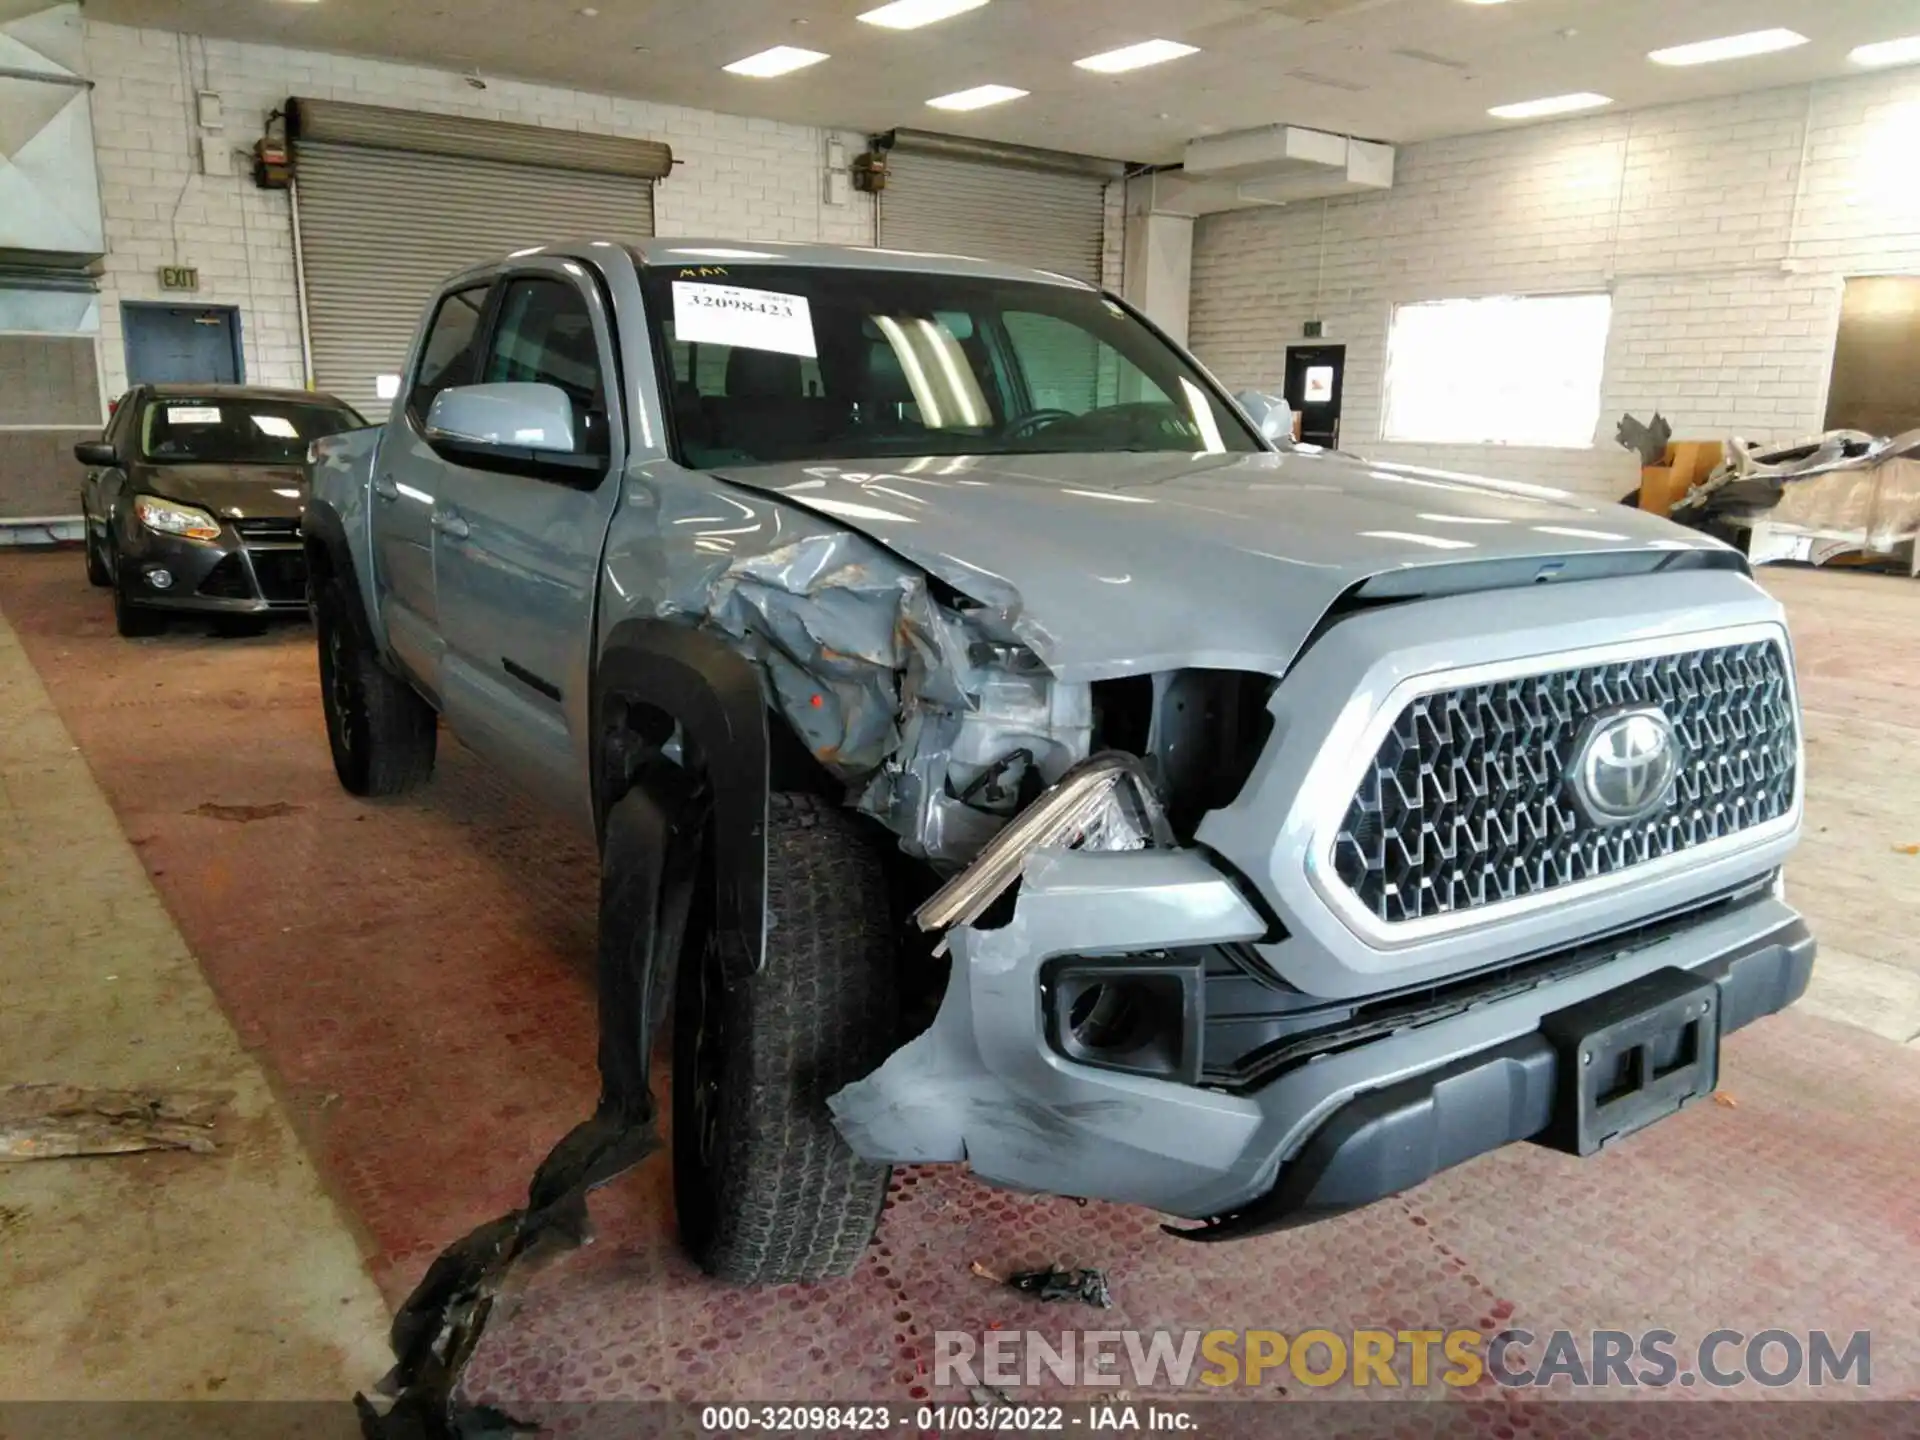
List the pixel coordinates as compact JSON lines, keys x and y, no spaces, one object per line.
{"x":545,"y":336}
{"x":1071,"y":369}
{"x":448,"y":356}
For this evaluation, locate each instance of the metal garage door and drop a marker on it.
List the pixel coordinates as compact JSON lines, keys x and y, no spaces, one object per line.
{"x":1026,"y":207}
{"x":387,"y":204}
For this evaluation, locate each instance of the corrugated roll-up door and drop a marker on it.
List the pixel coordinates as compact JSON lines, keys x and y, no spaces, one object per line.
{"x":955,"y":198}
{"x":389,"y":203}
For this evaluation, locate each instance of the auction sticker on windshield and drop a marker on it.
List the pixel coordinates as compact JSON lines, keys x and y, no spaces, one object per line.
{"x":193,"y":415}
{"x":735,"y":315}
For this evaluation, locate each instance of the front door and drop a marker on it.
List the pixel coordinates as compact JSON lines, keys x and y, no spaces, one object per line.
{"x":517,"y":555}
{"x":182,"y":344}
{"x":1314,"y":373}
{"x":406,"y":481}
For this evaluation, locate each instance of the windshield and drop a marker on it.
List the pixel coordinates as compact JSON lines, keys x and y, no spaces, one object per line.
{"x":224,"y":430}
{"x":770,"y":363}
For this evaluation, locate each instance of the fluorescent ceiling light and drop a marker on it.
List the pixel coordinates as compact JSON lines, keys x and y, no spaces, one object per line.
{"x":1904,"y":51}
{"x":780,"y":60}
{"x":1134,"y":57}
{"x":1552,"y":105}
{"x":976,"y":98}
{"x":1728,"y":47}
{"x":912,"y":14}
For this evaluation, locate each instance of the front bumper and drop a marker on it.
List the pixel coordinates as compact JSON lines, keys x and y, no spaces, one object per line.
{"x":1400,"y":1101}
{"x":234,"y":575}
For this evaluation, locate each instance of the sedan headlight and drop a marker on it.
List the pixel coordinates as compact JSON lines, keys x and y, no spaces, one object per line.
{"x":170,"y":517}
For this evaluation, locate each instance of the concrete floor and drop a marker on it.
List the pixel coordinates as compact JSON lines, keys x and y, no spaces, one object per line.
{"x":405,"y":988}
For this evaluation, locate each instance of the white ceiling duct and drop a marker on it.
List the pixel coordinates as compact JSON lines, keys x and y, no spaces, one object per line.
{"x":1273,"y":165}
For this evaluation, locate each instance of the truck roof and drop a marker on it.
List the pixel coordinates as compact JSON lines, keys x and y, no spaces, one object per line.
{"x":684,"y":251}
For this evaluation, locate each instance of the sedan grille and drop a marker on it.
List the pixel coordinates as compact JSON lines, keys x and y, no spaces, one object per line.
{"x":1468,"y":801}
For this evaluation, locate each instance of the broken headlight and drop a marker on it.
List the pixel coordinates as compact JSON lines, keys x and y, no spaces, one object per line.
{"x":1104,"y":803}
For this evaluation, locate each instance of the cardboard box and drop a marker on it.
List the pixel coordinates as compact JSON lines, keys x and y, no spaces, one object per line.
{"x":1686,"y":464}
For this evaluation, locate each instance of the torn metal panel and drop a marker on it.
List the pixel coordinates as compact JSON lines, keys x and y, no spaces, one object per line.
{"x":981,"y":1084}
{"x":940,"y":723}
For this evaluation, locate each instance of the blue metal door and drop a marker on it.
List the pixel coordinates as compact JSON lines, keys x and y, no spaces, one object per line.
{"x":182,"y":344}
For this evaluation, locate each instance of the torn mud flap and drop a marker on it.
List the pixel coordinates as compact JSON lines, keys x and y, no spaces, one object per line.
{"x":647,"y":879}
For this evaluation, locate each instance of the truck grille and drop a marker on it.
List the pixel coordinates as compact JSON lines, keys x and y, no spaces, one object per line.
{"x":1467,"y":802}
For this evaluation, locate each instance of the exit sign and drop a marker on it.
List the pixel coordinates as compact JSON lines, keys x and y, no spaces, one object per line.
{"x":179,"y":277}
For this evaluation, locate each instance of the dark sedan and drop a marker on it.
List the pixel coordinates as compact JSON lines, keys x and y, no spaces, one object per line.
{"x":193,"y":499}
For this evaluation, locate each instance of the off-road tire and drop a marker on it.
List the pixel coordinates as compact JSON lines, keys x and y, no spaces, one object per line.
{"x":381,"y":733}
{"x":781,"y":1198}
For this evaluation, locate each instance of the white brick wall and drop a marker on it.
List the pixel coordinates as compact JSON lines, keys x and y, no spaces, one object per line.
{"x":1724,"y":229}
{"x":739,"y":177}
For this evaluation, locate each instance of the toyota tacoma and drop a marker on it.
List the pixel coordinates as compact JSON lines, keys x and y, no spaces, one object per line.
{"x":1005,"y":747}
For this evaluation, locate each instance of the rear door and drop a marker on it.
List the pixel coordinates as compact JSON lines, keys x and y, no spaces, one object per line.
{"x":406,"y":481}
{"x":517,"y":553}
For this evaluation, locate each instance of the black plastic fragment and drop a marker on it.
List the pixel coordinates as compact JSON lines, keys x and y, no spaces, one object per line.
{"x":1088,"y":1287}
{"x":649,"y":864}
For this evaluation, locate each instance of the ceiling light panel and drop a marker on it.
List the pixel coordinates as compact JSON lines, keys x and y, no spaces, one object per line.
{"x":1551,"y":105}
{"x":978,"y":98}
{"x":912,"y":14}
{"x":1136,"y":57}
{"x":1905,"y":51}
{"x":780,"y":60}
{"x":1728,"y":47}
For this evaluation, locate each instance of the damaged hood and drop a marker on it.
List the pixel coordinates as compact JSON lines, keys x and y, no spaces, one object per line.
{"x":1118,"y":564}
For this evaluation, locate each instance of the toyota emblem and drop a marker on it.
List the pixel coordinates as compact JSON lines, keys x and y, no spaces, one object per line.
{"x":1625,"y":765}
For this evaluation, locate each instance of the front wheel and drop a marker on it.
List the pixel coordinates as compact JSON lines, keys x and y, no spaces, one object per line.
{"x":97,"y":572}
{"x":381,"y":733}
{"x":133,"y":621}
{"x":765,"y":1190}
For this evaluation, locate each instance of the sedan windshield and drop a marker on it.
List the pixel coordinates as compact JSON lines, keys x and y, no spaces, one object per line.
{"x":771,"y":363}
{"x":225,"y":430}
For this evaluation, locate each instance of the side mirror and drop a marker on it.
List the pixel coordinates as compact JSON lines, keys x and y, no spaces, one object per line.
{"x":1271,"y":415}
{"x":512,"y":417}
{"x":95,"y":454}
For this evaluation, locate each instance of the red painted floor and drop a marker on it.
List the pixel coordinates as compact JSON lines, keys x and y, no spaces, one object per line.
{"x":415,"y":977}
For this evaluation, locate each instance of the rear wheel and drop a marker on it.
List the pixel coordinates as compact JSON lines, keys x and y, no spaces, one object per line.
{"x":765,"y":1190}
{"x":381,"y":733}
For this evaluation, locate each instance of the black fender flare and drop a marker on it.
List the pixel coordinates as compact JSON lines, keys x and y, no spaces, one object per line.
{"x":322,"y":531}
{"x":713,"y":694}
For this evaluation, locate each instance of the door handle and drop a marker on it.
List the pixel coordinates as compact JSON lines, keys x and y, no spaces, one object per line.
{"x":449,"y":522}
{"x":384,"y":487}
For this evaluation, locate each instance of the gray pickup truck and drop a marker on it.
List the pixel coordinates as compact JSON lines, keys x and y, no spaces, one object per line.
{"x":1000,"y":750}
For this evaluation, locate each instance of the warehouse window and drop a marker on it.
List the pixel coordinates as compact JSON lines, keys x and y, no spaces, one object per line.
{"x":1508,"y":370}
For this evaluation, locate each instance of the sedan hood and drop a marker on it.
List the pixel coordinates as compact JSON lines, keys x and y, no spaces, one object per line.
{"x":1119,"y":564}
{"x":232,"y":492}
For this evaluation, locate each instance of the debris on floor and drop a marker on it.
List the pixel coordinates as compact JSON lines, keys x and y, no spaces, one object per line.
{"x":242,"y":814}
{"x":1087,"y":1287}
{"x":51,"y":1121}
{"x":1725,"y":1101}
{"x":643,"y":917}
